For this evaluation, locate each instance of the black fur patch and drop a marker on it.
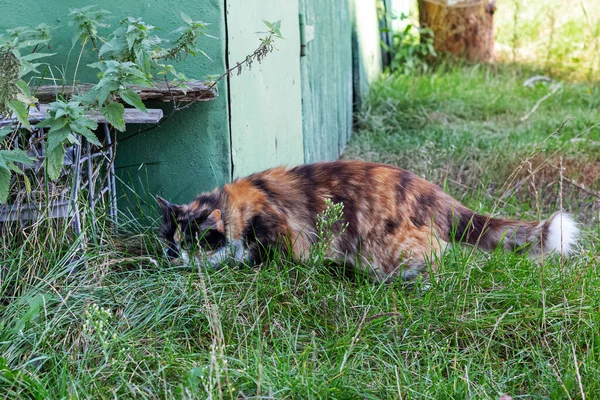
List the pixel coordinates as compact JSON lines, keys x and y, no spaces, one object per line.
{"x":350,"y":218}
{"x":167,"y":231}
{"x":261,"y":229}
{"x":307,"y":175}
{"x":212,"y":200}
{"x":282,"y":200}
{"x":351,"y":182}
{"x":306,"y":172}
{"x":468,"y":226}
{"x":425,"y":206}
{"x":213,"y":239}
{"x":404,"y":182}
{"x":260,"y":236}
{"x":209,"y":239}
{"x":263,"y":187}
{"x":391,"y":225}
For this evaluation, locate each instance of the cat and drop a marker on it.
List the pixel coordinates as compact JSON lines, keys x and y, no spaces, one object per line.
{"x":395,"y":222}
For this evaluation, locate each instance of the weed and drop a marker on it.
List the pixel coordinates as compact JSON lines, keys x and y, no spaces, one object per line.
{"x":411,"y":48}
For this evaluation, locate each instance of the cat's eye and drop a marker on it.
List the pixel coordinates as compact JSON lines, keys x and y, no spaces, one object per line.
{"x":206,"y":235}
{"x":172,"y":253}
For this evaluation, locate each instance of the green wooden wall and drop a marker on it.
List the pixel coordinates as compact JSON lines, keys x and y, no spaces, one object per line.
{"x":287,"y":110}
{"x":341,"y":62}
{"x":265,"y":101}
{"x":327,"y":79}
{"x":190,"y":152}
{"x":366,"y":46}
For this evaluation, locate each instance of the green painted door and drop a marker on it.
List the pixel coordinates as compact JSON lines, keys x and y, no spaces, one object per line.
{"x":265,"y":102}
{"x":326,"y":78}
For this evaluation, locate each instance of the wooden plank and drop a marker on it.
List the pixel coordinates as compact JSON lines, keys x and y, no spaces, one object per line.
{"x":327,"y":79}
{"x":28,"y":212}
{"x":132,"y":116}
{"x":161,"y":91}
{"x":266,"y":101}
{"x":366,"y":47}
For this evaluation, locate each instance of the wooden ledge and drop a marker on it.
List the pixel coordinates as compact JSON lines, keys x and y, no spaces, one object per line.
{"x":161,"y":91}
{"x":132,"y":116}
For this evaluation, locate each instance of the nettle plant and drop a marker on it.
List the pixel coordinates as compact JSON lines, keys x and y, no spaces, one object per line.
{"x":132,"y":54}
{"x":411,"y":48}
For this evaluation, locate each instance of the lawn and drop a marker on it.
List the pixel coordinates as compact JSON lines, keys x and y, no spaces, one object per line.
{"x":127,"y":324}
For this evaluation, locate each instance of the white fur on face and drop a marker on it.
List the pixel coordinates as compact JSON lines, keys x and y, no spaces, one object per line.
{"x":233,"y":251}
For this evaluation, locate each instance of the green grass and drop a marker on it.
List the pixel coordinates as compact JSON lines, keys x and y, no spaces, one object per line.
{"x":558,"y":37}
{"x":129,"y":325}
{"x":461,"y":128}
{"x":562,"y":37}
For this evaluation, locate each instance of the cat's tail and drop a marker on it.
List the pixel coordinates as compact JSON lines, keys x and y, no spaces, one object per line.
{"x":558,"y":234}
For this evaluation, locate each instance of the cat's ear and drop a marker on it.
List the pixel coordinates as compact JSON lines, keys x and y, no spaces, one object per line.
{"x":164,"y":204}
{"x":168,"y":209}
{"x":214,"y":218}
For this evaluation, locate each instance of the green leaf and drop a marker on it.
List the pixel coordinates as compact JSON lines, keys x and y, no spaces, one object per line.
{"x":35,"y":56}
{"x":103,"y":90}
{"x":61,"y":112}
{"x":15,"y":169}
{"x":112,"y":46}
{"x":27,"y":67}
{"x":98,"y":65}
{"x":274,"y":28}
{"x":90,"y":136}
{"x":84,"y":128}
{"x":143,"y":59}
{"x":134,"y":74}
{"x":53,"y":123}
{"x":4,"y":132}
{"x":22,"y":85}
{"x":83,"y":123}
{"x":114,"y":113}
{"x":35,"y":309}
{"x":16,"y":155}
{"x":4,"y":184}
{"x":56,"y":137}
{"x":132,"y":98}
{"x":31,"y":43}
{"x":54,"y":161}
{"x":3,"y":163}
{"x":19,"y":109}
{"x":18,"y":170}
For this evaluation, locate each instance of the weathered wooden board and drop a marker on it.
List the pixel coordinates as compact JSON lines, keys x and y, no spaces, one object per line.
{"x":161,"y":91}
{"x":366,"y":46}
{"x":132,"y":116}
{"x":29,"y":212}
{"x":327,"y":79}
{"x":266,"y":101}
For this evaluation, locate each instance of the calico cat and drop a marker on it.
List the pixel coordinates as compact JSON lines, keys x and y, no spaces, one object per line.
{"x":394,"y":220}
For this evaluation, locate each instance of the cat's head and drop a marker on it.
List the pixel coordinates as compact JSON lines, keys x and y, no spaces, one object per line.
{"x":192,"y":229}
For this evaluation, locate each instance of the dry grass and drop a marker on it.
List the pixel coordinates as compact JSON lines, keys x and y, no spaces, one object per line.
{"x":558,"y":36}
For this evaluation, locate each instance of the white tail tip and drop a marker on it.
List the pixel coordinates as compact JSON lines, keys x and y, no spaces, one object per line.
{"x":562,"y":234}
